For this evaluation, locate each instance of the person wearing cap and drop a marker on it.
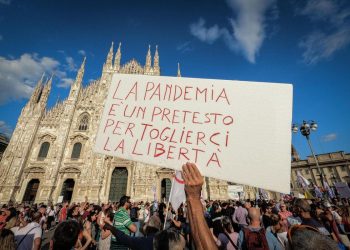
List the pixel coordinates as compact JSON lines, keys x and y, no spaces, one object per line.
{"x":146,"y":242}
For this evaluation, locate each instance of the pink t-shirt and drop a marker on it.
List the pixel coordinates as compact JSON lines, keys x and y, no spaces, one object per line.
{"x":224,"y":241}
{"x":284,"y":215}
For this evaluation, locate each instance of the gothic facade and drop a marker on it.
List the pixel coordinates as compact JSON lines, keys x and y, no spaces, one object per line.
{"x":50,"y":155}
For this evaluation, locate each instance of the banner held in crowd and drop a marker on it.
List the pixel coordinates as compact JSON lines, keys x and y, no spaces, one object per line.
{"x":235,"y":131}
{"x":342,"y":189}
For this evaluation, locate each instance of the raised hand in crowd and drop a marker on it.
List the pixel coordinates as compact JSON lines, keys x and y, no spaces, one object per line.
{"x":193,"y":186}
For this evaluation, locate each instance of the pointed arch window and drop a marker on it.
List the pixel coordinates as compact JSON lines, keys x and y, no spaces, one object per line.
{"x":76,"y":150}
{"x":84,"y":122}
{"x":44,"y":149}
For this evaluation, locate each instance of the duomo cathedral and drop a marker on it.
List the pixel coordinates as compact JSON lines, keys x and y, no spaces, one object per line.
{"x":50,"y":156}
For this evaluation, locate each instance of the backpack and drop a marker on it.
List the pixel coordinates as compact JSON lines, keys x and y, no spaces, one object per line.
{"x":133,"y":214}
{"x":255,"y":239}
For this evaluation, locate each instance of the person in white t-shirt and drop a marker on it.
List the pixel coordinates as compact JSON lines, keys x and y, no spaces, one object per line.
{"x":28,"y":234}
{"x":50,"y":213}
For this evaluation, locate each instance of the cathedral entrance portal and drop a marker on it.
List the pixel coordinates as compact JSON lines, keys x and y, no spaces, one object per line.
{"x":31,"y":190}
{"x":67,"y":189}
{"x":119,"y":182}
{"x":165,"y":189}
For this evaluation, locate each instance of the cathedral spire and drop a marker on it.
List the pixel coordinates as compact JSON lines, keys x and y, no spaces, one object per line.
{"x":178,"y":70}
{"x":156,"y":62}
{"x":75,"y":88}
{"x":37,"y":91}
{"x":148,"y":60}
{"x":117,"y":58}
{"x":79,"y":78}
{"x":46,"y":92}
{"x":108,"y":64}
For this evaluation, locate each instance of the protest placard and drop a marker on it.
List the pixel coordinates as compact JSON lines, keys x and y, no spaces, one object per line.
{"x":235,"y":188}
{"x":343,"y":189}
{"x":60,"y":199}
{"x":233,"y":130}
{"x":233,"y":191}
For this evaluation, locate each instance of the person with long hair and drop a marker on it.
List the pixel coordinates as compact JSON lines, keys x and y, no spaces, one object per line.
{"x":11,"y":218}
{"x":88,"y":225}
{"x":227,"y":238}
{"x":7,"y":239}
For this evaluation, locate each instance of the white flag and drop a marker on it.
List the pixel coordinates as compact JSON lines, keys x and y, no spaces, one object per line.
{"x":177,"y":194}
{"x":302,"y":180}
{"x":328,"y":189}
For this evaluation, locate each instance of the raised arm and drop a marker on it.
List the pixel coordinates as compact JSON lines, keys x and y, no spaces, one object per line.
{"x":203,"y":238}
{"x":131,"y":242}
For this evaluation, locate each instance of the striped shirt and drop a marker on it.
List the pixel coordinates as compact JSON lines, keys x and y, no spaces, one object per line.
{"x":122,"y":221}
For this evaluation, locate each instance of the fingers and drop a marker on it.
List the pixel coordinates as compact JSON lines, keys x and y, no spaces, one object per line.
{"x":186,"y":174}
{"x":194,"y":171}
{"x":190,"y":173}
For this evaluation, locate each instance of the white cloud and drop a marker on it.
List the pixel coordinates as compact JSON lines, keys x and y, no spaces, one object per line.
{"x":7,"y":2}
{"x":18,"y":76}
{"x":208,"y":35}
{"x":319,"y":46}
{"x":249,"y":26}
{"x":184,"y":47}
{"x":329,"y":137}
{"x":5,"y":129}
{"x":65,"y":83}
{"x":247,"y":29}
{"x":329,"y":11}
{"x":82,"y":52}
{"x":333,"y":33}
{"x":71,"y":66}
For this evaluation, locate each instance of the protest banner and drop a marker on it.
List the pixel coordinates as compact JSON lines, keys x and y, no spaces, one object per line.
{"x":234,"y":191}
{"x":233,"y":130}
{"x":342,"y":189}
{"x":235,"y":188}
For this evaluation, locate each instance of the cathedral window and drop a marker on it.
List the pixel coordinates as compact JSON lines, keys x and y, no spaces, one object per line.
{"x":84,"y":122}
{"x":76,"y":150}
{"x":44,"y":149}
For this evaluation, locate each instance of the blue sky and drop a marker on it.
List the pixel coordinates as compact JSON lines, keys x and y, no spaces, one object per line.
{"x":306,"y":43}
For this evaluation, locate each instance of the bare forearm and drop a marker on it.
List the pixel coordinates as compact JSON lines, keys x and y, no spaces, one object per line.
{"x":37,"y":242}
{"x":194,"y":228}
{"x":203,"y":234}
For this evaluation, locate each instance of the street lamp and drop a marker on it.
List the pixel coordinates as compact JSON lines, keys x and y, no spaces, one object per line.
{"x":305,"y":130}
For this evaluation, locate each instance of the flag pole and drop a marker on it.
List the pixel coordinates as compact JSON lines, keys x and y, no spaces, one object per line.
{"x":170,"y":195}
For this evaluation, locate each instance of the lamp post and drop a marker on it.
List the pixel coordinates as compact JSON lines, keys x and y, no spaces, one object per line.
{"x":305,"y":130}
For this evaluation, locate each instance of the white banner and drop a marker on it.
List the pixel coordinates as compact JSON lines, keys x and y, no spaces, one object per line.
{"x":234,"y":191}
{"x":235,"y":188}
{"x":235,"y":131}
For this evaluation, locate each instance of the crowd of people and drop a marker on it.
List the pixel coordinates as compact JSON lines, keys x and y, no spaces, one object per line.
{"x":196,"y":224}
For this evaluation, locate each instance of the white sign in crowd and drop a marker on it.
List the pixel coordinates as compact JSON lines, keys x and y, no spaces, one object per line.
{"x":233,"y":130}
